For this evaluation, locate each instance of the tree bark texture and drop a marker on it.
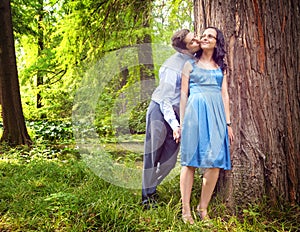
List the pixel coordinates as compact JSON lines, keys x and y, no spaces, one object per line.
{"x":263,"y":55}
{"x":15,"y":132}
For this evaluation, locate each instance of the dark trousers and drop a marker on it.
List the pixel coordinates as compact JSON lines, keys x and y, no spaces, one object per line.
{"x":160,"y":154}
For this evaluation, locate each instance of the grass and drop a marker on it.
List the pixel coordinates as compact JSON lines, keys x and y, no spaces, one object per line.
{"x":49,"y":188}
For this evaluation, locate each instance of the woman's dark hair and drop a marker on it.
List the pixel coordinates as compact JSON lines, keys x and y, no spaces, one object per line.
{"x":177,"y":39}
{"x":219,"y":52}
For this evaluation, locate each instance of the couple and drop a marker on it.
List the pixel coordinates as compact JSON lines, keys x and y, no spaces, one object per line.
{"x":194,"y":80}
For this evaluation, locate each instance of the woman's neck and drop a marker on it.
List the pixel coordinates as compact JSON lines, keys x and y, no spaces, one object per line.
{"x":206,"y":60}
{"x":207,"y":56}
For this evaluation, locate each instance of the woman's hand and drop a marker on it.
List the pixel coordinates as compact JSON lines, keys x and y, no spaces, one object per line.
{"x":230,"y":134}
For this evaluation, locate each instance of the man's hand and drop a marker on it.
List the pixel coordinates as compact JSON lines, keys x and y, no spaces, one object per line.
{"x":177,"y":134}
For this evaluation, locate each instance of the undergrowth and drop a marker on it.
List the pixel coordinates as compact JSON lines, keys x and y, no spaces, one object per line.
{"x":49,"y":188}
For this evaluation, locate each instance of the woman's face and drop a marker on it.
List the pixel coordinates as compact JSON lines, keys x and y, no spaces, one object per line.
{"x":208,"y":39}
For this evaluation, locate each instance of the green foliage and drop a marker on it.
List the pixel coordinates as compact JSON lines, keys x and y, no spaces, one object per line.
{"x":51,"y":131}
{"x":41,"y":191}
{"x":37,"y":56}
{"x":22,"y":13}
{"x":118,"y":100}
{"x":48,"y":187}
{"x":103,"y":111}
{"x":137,"y":120}
{"x":170,"y":16}
{"x":59,"y":41}
{"x":75,"y":34}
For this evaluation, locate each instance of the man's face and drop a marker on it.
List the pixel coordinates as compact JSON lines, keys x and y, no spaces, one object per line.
{"x":192,"y":44}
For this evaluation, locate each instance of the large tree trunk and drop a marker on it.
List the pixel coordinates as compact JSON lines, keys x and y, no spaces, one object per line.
{"x":15,"y":131}
{"x":263,"y":53}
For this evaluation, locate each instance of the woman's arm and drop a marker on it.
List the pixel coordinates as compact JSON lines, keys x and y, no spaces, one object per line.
{"x":183,"y":96}
{"x":225,"y":97}
{"x":185,"y":77}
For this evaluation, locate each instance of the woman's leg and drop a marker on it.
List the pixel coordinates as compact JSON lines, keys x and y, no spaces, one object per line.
{"x":186,"y":184}
{"x":210,"y":179}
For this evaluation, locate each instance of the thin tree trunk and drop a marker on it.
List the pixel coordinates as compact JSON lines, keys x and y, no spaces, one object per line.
{"x":15,"y":131}
{"x":40,"y":79}
{"x":145,"y":56}
{"x":263,"y":53}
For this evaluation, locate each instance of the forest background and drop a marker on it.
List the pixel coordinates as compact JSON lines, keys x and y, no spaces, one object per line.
{"x":82,"y":73}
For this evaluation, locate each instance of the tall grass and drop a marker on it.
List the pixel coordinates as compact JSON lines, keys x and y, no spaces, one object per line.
{"x":50,"y":189}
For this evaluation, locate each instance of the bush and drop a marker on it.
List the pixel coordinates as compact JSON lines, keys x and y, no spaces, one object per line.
{"x":52,"y":130}
{"x":137,"y":119}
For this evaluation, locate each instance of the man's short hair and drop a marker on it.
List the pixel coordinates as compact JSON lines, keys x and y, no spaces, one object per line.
{"x":178,"y":42}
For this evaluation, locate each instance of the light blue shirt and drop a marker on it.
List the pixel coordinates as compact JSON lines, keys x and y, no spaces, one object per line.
{"x":167,"y":94}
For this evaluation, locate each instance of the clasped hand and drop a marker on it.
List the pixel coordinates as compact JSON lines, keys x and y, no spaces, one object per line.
{"x":177,"y":134}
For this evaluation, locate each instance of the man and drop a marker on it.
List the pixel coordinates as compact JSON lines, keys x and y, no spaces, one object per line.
{"x":162,"y":120}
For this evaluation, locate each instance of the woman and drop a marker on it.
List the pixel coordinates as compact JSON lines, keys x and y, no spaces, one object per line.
{"x":206,"y":128}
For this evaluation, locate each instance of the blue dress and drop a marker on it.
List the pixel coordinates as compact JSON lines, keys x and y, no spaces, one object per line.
{"x":204,"y":140}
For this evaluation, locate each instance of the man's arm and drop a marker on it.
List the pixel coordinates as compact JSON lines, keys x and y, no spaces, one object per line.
{"x":169,"y":94}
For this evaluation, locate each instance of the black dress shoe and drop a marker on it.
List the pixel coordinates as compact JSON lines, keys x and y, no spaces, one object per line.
{"x":149,"y":204}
